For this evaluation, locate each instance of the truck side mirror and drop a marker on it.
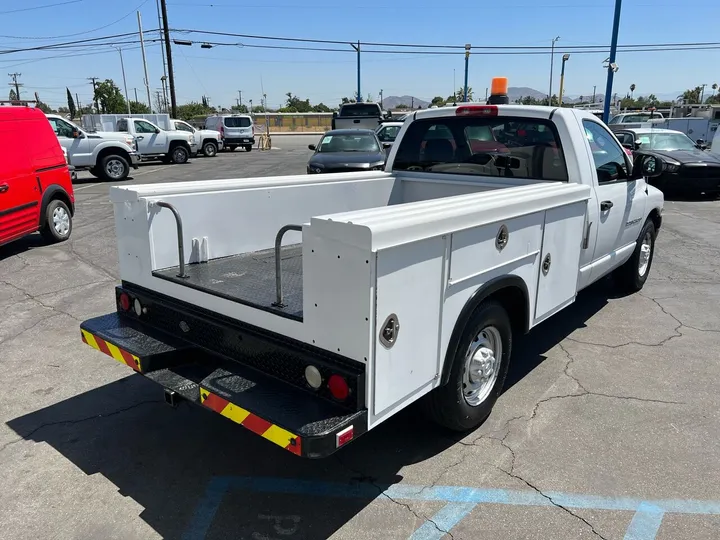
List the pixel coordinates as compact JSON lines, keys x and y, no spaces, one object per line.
{"x":701,"y":144}
{"x":311,"y":146}
{"x":76,"y":134}
{"x":334,"y":114}
{"x":387,"y":144}
{"x":647,"y":166}
{"x":157,"y":130}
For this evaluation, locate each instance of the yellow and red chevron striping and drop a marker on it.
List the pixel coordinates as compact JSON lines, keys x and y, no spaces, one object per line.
{"x":111,"y":350}
{"x":254,"y":423}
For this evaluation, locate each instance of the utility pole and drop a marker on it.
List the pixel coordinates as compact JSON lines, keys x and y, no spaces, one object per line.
{"x":136,"y":98}
{"x":552,"y":58}
{"x":122,"y":67}
{"x":612,"y":68}
{"x":381,"y":98}
{"x":162,"y":52}
{"x":594,"y":88}
{"x":77,"y":102}
{"x":239,"y":98}
{"x":168,"y":51}
{"x":159,"y":97}
{"x":93,"y":79}
{"x":142,"y":48}
{"x":467,"y":60}
{"x":15,"y":83}
{"x":357,"y":48}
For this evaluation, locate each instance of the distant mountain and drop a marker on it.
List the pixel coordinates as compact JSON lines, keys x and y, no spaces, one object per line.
{"x":517,"y":92}
{"x":392,"y":102}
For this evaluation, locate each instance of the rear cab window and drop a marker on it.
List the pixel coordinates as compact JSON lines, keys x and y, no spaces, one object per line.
{"x":237,"y":122}
{"x":498,"y":146}
{"x":360,"y":110}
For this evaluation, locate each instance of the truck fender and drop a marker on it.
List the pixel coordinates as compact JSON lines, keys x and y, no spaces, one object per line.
{"x":117,"y":147}
{"x":511,"y":291}
{"x":52,"y":192}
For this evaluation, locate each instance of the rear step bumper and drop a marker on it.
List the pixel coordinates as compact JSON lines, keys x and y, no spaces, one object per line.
{"x":305,"y":425}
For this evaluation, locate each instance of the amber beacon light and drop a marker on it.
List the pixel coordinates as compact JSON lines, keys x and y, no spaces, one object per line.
{"x":499,"y":92}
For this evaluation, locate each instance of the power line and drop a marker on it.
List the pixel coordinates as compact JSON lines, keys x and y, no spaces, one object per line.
{"x":93,"y":79}
{"x":41,"y":7}
{"x":69,"y":43}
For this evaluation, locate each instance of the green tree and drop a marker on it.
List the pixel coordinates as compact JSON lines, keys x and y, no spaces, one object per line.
{"x":193,"y":109}
{"x":295,"y":104}
{"x":109,"y":97}
{"x":321,"y":107}
{"x":12,"y":96}
{"x":257,"y":109}
{"x":692,"y":96}
{"x":402,"y":107}
{"x":44,"y":107}
{"x":459,"y":95}
{"x":713,"y":100}
{"x":241,"y":109}
{"x":137,"y":107}
{"x":71,"y":104}
{"x":437,"y":101}
{"x":346,"y":100}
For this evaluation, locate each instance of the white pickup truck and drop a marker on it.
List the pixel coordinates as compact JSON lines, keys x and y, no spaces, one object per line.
{"x":171,"y":146}
{"x":107,"y":155}
{"x":310,"y":309}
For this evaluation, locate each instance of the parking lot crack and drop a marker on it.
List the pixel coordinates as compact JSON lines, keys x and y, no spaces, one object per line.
{"x":27,"y":329}
{"x":78,"y":421}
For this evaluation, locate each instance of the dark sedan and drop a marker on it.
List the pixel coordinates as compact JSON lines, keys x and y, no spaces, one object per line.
{"x":689,"y":169}
{"x":347,"y":150}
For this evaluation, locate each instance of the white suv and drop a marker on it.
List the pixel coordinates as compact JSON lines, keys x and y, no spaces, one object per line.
{"x":235,"y":130}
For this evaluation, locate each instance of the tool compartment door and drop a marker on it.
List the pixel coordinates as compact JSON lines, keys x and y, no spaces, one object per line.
{"x":410,"y":281}
{"x":560,"y":258}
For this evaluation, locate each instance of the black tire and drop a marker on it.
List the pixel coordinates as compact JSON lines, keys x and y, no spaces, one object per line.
{"x":114,"y":168}
{"x":248,"y":147}
{"x":448,"y":405}
{"x":95,"y":172}
{"x":629,"y":277}
{"x":179,"y":154}
{"x":57,"y":222}
{"x":210,"y":149}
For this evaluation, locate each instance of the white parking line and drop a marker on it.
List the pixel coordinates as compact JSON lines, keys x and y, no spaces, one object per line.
{"x":146,"y":171}
{"x":85,"y":187}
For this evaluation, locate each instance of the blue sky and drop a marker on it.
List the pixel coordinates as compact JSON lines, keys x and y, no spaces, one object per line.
{"x":327,"y":76}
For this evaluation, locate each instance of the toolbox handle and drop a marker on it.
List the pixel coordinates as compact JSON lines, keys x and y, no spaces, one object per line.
{"x":181,"y":245}
{"x":278,"y":262}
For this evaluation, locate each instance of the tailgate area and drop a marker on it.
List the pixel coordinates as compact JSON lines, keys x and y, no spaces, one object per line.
{"x":303,"y":423}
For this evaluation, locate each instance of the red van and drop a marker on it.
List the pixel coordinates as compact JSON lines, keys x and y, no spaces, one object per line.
{"x":36,"y":190}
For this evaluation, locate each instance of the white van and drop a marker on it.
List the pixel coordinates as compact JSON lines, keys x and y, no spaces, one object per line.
{"x":235,"y":130}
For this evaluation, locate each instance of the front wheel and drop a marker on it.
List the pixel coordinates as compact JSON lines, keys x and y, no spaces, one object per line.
{"x":58,"y":222}
{"x":114,"y":168}
{"x":632,"y":275}
{"x":478,"y":371}
{"x":210,"y":149}
{"x":179,"y":155}
{"x":248,"y":147}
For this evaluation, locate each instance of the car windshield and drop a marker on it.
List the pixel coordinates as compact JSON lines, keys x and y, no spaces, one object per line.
{"x":237,"y":122}
{"x":360,"y":110}
{"x":666,"y":141}
{"x":358,"y":142}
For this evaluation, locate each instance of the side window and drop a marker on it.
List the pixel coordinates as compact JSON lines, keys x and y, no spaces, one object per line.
{"x":121,"y":125}
{"x":61,"y":129}
{"x":609,"y":157}
{"x":182,"y":126}
{"x":144,"y":127}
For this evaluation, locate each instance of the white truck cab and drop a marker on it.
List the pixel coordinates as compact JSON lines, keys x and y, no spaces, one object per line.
{"x":388,"y":287}
{"x":154,"y":143}
{"x":208,"y":141}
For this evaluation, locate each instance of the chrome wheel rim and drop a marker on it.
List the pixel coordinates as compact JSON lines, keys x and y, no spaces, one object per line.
{"x":209,"y":150}
{"x":61,"y":221}
{"x":179,"y":154}
{"x":645,"y":251}
{"x":482,"y":364}
{"x":115,"y":168}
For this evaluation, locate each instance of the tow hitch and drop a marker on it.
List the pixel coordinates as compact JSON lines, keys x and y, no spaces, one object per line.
{"x":172,"y":398}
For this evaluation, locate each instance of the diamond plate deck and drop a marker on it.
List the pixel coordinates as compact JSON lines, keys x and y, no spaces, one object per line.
{"x":248,"y":279}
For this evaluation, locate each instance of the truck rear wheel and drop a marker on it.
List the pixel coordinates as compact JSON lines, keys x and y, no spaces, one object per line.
{"x":58,"y":222}
{"x":114,"y":168}
{"x":632,"y":275}
{"x":478,"y":371}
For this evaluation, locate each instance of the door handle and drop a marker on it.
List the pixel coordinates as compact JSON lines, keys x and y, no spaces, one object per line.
{"x":140,"y":138}
{"x":4,"y":188}
{"x":605,"y":206}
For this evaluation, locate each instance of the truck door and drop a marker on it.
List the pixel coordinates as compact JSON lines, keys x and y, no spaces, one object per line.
{"x":19,"y":190}
{"x":75,"y":146}
{"x":151,"y":140}
{"x":620,"y":201}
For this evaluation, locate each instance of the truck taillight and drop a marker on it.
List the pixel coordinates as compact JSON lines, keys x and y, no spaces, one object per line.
{"x":338,"y":387}
{"x":477,"y":110}
{"x":124,"y":301}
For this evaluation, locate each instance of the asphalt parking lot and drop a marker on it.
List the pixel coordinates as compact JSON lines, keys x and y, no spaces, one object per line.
{"x":608,"y":428}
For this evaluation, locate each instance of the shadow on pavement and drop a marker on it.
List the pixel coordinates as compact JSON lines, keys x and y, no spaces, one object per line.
{"x":166,"y":458}
{"x":21,"y":245}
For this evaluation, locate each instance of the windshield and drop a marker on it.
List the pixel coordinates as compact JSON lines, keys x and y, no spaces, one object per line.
{"x":360,"y":110}
{"x":666,"y":141}
{"x":629,"y":118}
{"x":237,"y":122}
{"x":348,"y":143}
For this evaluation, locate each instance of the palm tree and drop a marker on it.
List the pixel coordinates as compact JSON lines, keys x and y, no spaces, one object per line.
{"x":459,"y":95}
{"x":632,"y":91}
{"x":714,"y":87}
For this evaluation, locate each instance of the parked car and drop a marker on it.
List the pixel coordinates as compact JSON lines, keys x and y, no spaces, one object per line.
{"x":235,"y":130}
{"x":357,"y":116}
{"x":106,"y":154}
{"x":36,"y":191}
{"x":209,"y":141}
{"x":345,"y":150}
{"x":388,"y":131}
{"x":688,"y":168}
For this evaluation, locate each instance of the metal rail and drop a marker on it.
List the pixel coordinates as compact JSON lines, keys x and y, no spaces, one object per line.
{"x":278,"y":262}
{"x":181,"y":245}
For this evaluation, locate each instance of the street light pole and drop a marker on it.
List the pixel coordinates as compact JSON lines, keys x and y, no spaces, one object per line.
{"x":552,"y":58}
{"x":565,"y":58}
{"x":702,"y":92}
{"x":168,"y":51}
{"x":467,"y":60}
{"x":142,"y":48}
{"x":122,"y":67}
{"x":612,"y":68}
{"x":357,"y":48}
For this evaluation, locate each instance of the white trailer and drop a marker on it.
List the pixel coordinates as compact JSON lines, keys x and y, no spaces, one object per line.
{"x":310,"y":309}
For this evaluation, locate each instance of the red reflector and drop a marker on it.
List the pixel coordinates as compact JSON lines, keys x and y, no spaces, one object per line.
{"x":124,"y":301}
{"x":338,"y":387}
{"x":344,"y":436}
{"x":477,"y":110}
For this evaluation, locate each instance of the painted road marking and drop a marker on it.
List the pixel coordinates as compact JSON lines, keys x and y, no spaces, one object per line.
{"x":461,"y":501}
